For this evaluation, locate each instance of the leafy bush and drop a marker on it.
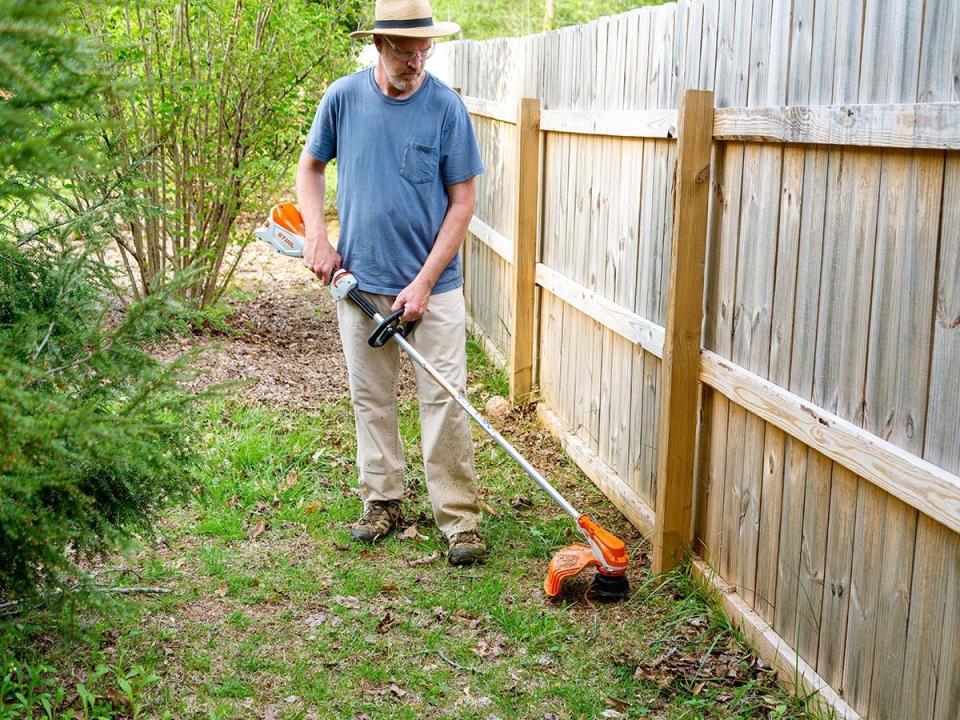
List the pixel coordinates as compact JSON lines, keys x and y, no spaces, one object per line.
{"x":41,"y":70}
{"x":221,"y":95}
{"x":92,"y":434}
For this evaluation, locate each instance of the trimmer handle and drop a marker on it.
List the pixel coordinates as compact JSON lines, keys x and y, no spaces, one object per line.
{"x":390,"y":326}
{"x":344,"y":285}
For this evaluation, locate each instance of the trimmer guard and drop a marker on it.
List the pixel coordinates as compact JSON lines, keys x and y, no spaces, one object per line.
{"x":566,"y":563}
{"x":605,"y":551}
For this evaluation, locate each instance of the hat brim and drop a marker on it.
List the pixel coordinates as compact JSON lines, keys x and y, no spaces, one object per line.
{"x":439,"y":29}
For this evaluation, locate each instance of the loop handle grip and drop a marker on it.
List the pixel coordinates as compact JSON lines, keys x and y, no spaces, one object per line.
{"x":389,"y":327}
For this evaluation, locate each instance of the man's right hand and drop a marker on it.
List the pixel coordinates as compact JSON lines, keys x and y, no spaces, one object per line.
{"x":321,"y":258}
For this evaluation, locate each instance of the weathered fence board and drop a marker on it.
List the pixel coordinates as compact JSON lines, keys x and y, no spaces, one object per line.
{"x":826,"y":494}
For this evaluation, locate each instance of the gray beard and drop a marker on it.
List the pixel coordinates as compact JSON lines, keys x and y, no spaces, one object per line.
{"x":404,"y":85}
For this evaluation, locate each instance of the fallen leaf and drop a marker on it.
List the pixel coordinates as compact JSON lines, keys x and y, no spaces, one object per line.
{"x":259,"y":529}
{"x":465,"y":617}
{"x":342,"y":547}
{"x":488,"y":509}
{"x":439,"y":612}
{"x":520,"y":502}
{"x":290,"y":699}
{"x":315,"y":620}
{"x":481,"y":649}
{"x":698,"y":688}
{"x":487,"y":649}
{"x":386,"y":622}
{"x":312,"y":507}
{"x":697,"y":622}
{"x":426,"y":560}
{"x":398,"y":691}
{"x":612,"y":714}
{"x":665,"y":655}
{"x":411,"y":533}
{"x":367,"y":554}
{"x":223,"y":590}
{"x":616,"y":703}
{"x":348,"y":602}
{"x":389,"y":589}
{"x":290,"y":480}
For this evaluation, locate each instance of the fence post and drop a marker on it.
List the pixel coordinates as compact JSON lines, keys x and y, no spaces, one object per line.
{"x":680,"y":369}
{"x":525,"y":249}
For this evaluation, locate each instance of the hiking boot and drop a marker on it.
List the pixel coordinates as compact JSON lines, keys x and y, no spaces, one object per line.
{"x":466,"y":548}
{"x":379,"y":518}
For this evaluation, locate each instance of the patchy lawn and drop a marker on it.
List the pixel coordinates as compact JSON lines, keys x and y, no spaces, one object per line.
{"x":265,"y":609}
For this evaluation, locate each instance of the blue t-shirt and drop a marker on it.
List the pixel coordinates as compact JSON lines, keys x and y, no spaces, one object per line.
{"x":394,"y":159}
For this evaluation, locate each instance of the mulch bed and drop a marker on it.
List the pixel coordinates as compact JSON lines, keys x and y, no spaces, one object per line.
{"x":282,"y":345}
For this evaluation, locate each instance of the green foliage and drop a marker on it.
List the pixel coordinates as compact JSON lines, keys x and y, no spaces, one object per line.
{"x":221,"y":95}
{"x":506,"y":18}
{"x":93,"y":437}
{"x":115,"y":686}
{"x":42,"y":72}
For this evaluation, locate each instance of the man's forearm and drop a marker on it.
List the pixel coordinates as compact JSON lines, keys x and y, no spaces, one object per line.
{"x":318,"y":254}
{"x":448,"y":242}
{"x":452,"y":231}
{"x":311,"y":195}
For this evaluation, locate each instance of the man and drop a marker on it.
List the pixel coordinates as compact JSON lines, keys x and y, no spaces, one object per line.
{"x":407,"y":161}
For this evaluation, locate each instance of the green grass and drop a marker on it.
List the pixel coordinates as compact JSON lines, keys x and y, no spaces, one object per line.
{"x":274,"y":613}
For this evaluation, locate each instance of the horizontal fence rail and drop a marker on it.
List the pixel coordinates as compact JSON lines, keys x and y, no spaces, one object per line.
{"x":920,"y":484}
{"x":626,"y":324}
{"x":934,"y":126}
{"x":619,"y":123}
{"x":504,"y":112}
{"x":500,"y":244}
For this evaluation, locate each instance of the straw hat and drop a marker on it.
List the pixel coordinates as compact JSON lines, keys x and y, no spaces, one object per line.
{"x":407,"y":18}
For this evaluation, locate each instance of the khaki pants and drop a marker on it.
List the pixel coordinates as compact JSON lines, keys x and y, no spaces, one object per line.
{"x":444,"y":427}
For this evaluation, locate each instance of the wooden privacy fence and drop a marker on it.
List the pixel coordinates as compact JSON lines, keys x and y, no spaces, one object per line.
{"x":742,"y":318}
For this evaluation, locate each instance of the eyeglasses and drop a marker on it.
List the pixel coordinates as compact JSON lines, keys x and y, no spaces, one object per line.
{"x":408,"y":55}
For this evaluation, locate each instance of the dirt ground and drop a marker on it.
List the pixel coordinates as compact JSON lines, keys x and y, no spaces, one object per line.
{"x":282,"y":344}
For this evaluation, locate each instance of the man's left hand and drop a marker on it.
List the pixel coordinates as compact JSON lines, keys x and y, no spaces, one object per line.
{"x":413,"y":299}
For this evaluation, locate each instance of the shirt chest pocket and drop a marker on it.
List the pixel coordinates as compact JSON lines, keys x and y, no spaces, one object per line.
{"x":419,"y":163}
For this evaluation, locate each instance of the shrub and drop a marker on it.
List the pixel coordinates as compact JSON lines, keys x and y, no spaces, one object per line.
{"x":222,"y":95}
{"x":92,"y":430}
{"x":93,"y":434}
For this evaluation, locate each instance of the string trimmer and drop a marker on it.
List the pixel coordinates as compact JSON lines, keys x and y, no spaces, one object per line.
{"x":284,"y":230}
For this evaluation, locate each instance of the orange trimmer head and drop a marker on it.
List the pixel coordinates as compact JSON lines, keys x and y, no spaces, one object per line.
{"x":604,"y":551}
